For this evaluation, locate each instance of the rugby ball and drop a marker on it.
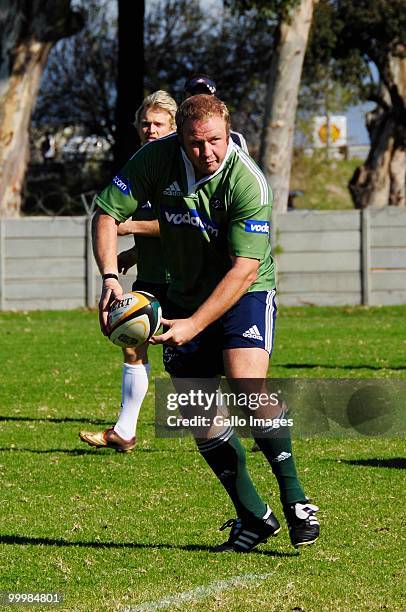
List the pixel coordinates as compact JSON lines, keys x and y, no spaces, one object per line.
{"x":133,"y":319}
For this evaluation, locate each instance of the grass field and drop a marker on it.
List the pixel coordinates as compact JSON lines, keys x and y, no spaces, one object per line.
{"x":109,"y":530}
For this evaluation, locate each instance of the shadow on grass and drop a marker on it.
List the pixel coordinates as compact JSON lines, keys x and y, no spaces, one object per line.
{"x":397,"y":463}
{"x":329,"y":366}
{"x":101,"y":452}
{"x":56,"y":420}
{"x":25,"y":540}
{"x":66,"y":451}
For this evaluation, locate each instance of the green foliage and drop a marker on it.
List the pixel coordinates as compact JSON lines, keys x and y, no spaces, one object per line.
{"x":324,"y":87}
{"x":77,"y":86}
{"x":346,"y":36}
{"x":374,"y":28}
{"x":109,"y":530}
{"x":235,"y":49}
{"x":278,"y":9}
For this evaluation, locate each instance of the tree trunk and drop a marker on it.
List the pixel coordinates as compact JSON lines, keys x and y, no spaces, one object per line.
{"x":397,"y":193}
{"x":370,"y":183}
{"x":280,"y":109}
{"x":16,"y":105}
{"x":381,"y":179}
{"x":130,"y":77}
{"x":28,"y":31}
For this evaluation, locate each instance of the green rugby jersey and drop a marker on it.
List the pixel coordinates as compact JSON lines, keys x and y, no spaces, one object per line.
{"x":201,"y":223}
{"x":151,"y":260}
{"x":151,"y":266}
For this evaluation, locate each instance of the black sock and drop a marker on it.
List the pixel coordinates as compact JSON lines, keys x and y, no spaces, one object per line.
{"x":276,"y":445}
{"x":226,"y":457}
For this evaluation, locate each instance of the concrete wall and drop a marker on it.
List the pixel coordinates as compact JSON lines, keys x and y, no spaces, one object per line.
{"x":318,"y":257}
{"x":47,"y":263}
{"x":343,"y":257}
{"x":324,"y":258}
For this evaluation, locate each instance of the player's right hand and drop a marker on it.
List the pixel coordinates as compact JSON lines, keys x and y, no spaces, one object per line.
{"x":180,"y":331}
{"x":126,"y":228}
{"x":111,"y":291}
{"x":127,"y":259}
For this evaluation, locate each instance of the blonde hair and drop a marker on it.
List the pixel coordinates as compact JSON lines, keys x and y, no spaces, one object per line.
{"x":160,"y":100}
{"x":201,"y":107}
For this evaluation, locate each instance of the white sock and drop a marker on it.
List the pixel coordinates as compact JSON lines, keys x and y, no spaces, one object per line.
{"x":134,"y":389}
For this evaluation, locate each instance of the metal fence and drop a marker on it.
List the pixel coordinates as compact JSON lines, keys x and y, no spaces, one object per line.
{"x":323,"y":258}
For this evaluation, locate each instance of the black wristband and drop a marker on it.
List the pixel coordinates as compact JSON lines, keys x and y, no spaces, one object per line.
{"x":110,"y":275}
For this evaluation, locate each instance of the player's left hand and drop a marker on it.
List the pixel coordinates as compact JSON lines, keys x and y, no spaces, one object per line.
{"x":180,"y":332}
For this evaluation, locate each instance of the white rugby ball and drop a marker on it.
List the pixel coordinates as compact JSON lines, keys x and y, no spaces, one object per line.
{"x":133,"y":319}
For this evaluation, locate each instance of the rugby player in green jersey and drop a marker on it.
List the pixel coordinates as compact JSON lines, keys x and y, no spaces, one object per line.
{"x":213,"y":207}
{"x":154,"y":119}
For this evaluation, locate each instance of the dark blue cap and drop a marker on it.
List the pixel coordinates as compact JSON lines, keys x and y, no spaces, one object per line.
{"x":199,"y":84}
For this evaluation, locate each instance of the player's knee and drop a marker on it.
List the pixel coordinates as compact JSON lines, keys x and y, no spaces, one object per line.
{"x":135,"y":355}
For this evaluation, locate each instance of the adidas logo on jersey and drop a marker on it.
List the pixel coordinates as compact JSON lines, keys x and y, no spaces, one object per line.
{"x":173,"y":189}
{"x":253,"y":332}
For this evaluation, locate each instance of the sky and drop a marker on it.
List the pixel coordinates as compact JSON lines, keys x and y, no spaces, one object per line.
{"x":357,"y":132}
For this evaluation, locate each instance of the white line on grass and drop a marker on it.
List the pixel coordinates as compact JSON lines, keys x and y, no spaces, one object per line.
{"x":196,"y":594}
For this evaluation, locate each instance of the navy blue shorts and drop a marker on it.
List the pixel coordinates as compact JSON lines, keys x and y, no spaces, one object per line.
{"x":158,"y":290}
{"x":250,"y":323}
